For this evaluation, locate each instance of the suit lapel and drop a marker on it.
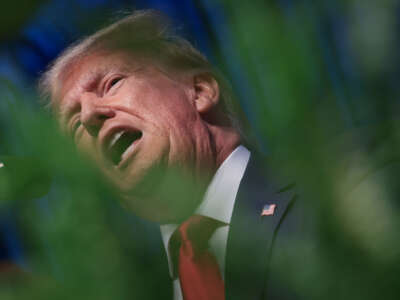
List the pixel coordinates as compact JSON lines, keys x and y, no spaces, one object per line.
{"x":250,"y":235}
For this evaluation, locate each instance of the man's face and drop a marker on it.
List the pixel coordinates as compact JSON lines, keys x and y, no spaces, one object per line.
{"x":135,"y":120}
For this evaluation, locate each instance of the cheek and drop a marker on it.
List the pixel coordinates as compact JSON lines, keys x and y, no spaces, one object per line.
{"x":161,"y":95}
{"x":177,"y":109}
{"x":86,"y":144}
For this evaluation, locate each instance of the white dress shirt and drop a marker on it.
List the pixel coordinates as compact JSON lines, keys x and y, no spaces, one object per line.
{"x":218,"y":204}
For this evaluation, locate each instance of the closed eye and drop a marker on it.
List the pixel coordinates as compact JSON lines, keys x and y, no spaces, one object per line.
{"x":75,"y":125}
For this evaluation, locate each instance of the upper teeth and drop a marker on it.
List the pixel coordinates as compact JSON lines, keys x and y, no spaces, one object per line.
{"x":115,"y":138}
{"x":126,"y":151}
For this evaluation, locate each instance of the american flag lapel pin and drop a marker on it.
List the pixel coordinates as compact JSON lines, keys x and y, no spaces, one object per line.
{"x":268,"y":210}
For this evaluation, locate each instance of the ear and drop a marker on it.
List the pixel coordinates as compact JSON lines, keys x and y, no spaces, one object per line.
{"x":206,"y":92}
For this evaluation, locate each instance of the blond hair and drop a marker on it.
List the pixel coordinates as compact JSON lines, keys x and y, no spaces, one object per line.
{"x":146,"y":34}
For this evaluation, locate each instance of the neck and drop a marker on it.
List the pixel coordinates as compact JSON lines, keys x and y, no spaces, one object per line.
{"x":226,"y":139}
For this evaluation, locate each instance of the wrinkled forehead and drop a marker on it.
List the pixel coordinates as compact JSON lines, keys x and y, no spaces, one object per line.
{"x":82,"y":73}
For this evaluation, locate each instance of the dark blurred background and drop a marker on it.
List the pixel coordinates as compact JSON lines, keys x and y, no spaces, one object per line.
{"x":318,"y":81}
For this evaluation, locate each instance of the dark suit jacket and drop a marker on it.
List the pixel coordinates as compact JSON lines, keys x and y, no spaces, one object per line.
{"x":253,"y":240}
{"x":257,"y":245}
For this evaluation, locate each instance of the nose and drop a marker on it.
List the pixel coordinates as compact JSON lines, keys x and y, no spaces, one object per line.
{"x":93,"y":114}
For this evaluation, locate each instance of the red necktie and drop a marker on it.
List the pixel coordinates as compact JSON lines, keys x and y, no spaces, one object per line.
{"x":198,"y":269}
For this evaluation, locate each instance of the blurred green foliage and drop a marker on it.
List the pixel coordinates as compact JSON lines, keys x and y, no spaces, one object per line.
{"x":84,"y":257}
{"x":346,"y":174}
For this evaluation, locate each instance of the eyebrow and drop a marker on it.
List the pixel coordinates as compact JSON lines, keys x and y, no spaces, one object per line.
{"x":94,"y":78}
{"x":90,"y":83}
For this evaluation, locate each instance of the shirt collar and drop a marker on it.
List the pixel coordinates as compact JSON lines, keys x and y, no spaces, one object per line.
{"x":220,"y":196}
{"x":221,"y":193}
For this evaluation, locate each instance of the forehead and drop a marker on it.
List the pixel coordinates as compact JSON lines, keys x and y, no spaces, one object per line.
{"x":85,"y":72}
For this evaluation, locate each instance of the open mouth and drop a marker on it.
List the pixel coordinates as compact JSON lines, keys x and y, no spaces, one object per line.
{"x":119,"y":144}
